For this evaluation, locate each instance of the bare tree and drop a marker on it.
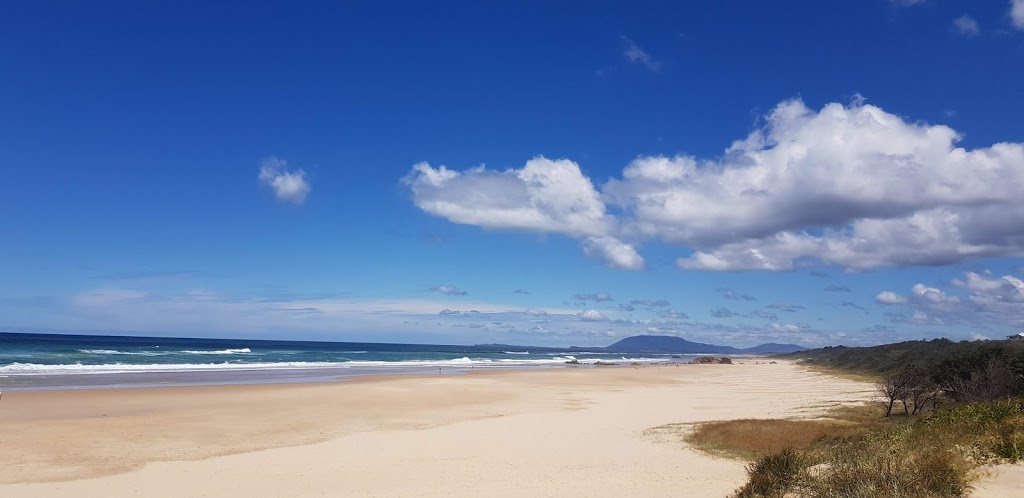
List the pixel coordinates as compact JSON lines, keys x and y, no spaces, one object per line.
{"x":920,"y":390}
{"x":894,"y":387}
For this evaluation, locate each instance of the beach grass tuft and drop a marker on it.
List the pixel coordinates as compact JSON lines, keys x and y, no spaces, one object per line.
{"x":774,"y":475}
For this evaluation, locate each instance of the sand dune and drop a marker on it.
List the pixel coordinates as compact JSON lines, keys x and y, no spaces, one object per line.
{"x":533,"y":433}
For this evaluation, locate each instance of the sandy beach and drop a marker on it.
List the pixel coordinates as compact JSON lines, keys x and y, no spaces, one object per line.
{"x":587,"y":431}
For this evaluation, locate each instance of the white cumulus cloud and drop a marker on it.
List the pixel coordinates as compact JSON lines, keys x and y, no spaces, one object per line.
{"x":991,"y":303}
{"x":1007,"y":288}
{"x":932,"y":295}
{"x":613,"y":252}
{"x":849,"y":185}
{"x":890,"y":297}
{"x":592,"y":316}
{"x":289,"y":186}
{"x":544,"y":195}
{"x":1017,"y":13}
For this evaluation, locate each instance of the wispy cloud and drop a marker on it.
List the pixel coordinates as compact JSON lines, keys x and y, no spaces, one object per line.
{"x":724,"y":313}
{"x":791,"y":308}
{"x":966,"y":25}
{"x":673,"y":315}
{"x":781,"y":327}
{"x":851,"y":304}
{"x":649,"y":303}
{"x":1017,"y":13}
{"x":140,"y":277}
{"x":636,"y":55}
{"x":907,"y":3}
{"x":368,"y":319}
{"x":449,"y":290}
{"x":597,"y":297}
{"x":288,"y":185}
{"x":836,"y":288}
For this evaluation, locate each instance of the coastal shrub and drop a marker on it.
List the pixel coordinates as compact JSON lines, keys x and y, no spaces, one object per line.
{"x":965,"y":371}
{"x":774,"y":475}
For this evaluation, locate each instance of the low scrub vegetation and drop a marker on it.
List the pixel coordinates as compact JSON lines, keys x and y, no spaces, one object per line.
{"x":965,"y":371}
{"x":946,"y":410}
{"x":933,"y":456}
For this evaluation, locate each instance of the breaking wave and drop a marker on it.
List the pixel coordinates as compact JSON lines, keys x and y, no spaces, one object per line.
{"x":220,"y":351}
{"x":464,"y":362}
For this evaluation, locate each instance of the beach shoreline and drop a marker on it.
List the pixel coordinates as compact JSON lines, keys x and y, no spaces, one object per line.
{"x":503,"y":432}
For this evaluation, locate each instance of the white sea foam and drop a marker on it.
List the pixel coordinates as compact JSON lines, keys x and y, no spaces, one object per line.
{"x":220,"y":351}
{"x":517,"y":352}
{"x":464,"y":362}
{"x":114,"y":351}
{"x":78,"y":368}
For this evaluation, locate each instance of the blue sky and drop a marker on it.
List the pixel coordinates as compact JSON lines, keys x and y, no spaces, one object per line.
{"x":842,"y":172}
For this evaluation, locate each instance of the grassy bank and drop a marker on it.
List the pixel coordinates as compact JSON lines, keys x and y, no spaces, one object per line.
{"x":946,"y":409}
{"x":857,"y":452}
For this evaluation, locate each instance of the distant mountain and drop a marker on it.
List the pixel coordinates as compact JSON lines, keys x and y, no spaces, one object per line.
{"x":773,"y":347}
{"x":669,"y":344}
{"x":665,"y":344}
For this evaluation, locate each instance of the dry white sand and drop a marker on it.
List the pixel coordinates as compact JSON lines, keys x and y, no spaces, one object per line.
{"x":525,"y":433}
{"x":1004,"y":481}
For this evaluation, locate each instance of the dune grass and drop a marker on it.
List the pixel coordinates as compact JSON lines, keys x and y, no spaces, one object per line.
{"x":855,"y":452}
{"x":750,"y":439}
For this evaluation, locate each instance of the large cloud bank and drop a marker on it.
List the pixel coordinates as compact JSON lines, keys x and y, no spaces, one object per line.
{"x":850,"y":185}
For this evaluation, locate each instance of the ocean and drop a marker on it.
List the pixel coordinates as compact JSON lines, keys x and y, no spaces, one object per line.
{"x":51,"y":361}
